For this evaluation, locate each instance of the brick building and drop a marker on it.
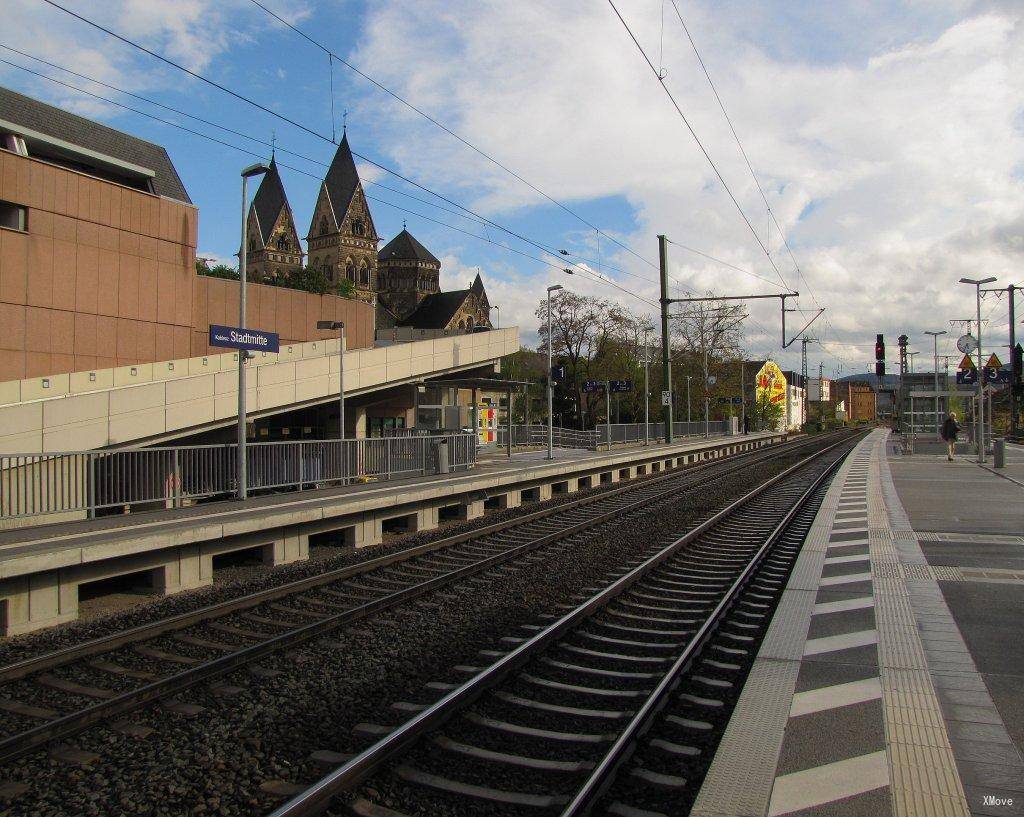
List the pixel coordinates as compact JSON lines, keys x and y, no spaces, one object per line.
{"x":98,"y":249}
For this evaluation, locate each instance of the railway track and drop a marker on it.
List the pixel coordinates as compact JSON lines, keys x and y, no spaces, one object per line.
{"x":54,"y":696}
{"x":619,"y":701}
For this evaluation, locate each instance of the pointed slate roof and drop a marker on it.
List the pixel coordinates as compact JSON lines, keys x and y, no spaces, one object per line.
{"x":268,"y":202}
{"x":436,"y":311}
{"x":341,"y":179}
{"x":404,"y":247}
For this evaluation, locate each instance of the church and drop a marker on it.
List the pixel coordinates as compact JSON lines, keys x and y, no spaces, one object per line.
{"x":402,"y":280}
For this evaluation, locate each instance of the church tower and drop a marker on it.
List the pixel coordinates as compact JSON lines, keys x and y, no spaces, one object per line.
{"x":407,"y":272}
{"x":274,"y":249}
{"x":342,"y":239}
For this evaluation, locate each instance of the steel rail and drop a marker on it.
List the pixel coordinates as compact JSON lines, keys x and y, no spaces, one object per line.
{"x":603,"y":774}
{"x":319,"y":796}
{"x":22,"y":743}
{"x":220,"y":609}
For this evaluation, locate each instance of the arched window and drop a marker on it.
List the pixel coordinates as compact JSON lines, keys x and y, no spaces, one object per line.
{"x":282,"y":242}
{"x":469,"y":323}
{"x":358,"y":228}
{"x":364,"y":274}
{"x":277,"y":274}
{"x":323,"y":225}
{"x":350,"y":270}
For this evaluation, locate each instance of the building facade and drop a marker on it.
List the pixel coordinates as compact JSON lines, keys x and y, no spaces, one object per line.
{"x":274,"y":252}
{"x":98,"y":256}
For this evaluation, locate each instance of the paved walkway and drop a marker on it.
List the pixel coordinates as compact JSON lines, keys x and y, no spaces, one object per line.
{"x":891,"y":681}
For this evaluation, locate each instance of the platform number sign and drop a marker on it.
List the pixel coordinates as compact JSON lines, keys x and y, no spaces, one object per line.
{"x":666,"y":398}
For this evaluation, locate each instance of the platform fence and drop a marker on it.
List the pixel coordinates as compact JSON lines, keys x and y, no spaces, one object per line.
{"x":85,"y":483}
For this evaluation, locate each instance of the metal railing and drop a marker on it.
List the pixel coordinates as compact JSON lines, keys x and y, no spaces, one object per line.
{"x":537,"y":435}
{"x":621,"y":433}
{"x":90,"y":482}
{"x":634,"y":432}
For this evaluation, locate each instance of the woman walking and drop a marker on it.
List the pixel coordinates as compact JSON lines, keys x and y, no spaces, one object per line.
{"x":950,"y":429}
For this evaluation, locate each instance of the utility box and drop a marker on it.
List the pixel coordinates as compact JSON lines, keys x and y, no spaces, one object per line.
{"x":999,"y":452}
{"x":441,"y":457}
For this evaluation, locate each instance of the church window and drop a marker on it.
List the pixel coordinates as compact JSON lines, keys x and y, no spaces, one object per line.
{"x":469,"y":323}
{"x":282,"y":242}
{"x":358,"y":228}
{"x":323,"y":225}
{"x":350,"y":270}
{"x":364,"y":275}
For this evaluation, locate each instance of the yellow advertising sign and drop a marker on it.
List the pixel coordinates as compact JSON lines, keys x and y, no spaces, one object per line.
{"x":770,"y":383}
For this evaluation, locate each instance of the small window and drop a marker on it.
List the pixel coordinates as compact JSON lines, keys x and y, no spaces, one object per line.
{"x":358,"y":228}
{"x":13,"y":216}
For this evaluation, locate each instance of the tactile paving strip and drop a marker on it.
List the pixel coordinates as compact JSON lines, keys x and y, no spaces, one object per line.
{"x":922,"y":770}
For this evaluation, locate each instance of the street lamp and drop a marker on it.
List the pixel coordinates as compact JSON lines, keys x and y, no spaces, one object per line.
{"x":497,"y":320}
{"x":340,"y":327}
{"x":647,"y":393}
{"x":551,"y":384}
{"x":935,"y":353}
{"x":980,"y":413}
{"x":689,"y":377}
{"x":253,"y":170}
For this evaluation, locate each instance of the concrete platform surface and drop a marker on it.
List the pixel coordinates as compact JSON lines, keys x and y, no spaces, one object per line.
{"x":891,"y":681}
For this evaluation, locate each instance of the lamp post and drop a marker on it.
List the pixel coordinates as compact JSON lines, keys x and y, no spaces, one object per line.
{"x":551,"y":384}
{"x":647,"y":393}
{"x":253,"y":170}
{"x":980,"y":413}
{"x":497,"y":320}
{"x":689,"y":377}
{"x":935,"y":354}
{"x":340,"y":327}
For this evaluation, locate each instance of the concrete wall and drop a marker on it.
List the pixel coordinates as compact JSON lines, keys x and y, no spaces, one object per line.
{"x":139,"y":403}
{"x":289,"y":312}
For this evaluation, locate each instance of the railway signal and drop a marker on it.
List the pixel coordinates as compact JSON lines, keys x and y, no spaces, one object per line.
{"x":879,"y":356}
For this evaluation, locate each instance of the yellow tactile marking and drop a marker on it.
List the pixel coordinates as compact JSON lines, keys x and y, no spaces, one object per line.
{"x":922,"y":770}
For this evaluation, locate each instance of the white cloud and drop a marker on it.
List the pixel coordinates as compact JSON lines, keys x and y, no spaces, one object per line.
{"x":906,"y":161}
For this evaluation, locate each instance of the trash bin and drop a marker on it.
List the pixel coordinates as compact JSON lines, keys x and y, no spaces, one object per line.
{"x":441,"y":456}
{"x":999,"y":452}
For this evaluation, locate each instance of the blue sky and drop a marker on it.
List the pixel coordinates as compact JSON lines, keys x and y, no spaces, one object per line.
{"x":886,"y":137}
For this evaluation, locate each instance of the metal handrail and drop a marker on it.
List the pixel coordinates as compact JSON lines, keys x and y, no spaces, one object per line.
{"x":75,"y":482}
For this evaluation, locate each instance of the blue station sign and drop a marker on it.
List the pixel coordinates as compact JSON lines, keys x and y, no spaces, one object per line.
{"x":253,"y":340}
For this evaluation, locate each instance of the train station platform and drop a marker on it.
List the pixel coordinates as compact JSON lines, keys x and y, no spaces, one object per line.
{"x":891,"y":680}
{"x":42,"y":568}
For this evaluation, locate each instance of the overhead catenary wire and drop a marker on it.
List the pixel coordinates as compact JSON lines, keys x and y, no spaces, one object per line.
{"x":582,"y":271}
{"x":696,"y":138}
{"x":308,"y":130}
{"x":743,"y":152}
{"x":448,"y":130}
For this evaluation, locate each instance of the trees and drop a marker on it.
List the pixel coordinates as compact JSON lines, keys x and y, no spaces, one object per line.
{"x":711,"y":328}
{"x":765,"y":414}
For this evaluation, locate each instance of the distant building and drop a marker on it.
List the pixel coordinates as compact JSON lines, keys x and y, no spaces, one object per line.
{"x":402,"y":280}
{"x":861,"y":401}
{"x":819,"y":389}
{"x":274,"y":250}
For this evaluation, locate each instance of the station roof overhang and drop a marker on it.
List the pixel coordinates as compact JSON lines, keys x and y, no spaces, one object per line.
{"x":481,"y":383}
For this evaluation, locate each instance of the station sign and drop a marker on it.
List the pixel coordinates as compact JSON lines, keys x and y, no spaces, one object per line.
{"x":618,"y":386}
{"x":994,"y":375}
{"x":967,"y":377}
{"x":253,"y":340}
{"x":770,"y":383}
{"x":592,"y":386}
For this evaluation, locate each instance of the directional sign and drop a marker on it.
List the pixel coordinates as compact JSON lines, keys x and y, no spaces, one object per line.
{"x":966,"y":363}
{"x":967,"y":343}
{"x":618,"y":386}
{"x":967,"y":377}
{"x":255,"y":340}
{"x":725,"y":401}
{"x":994,"y":362}
{"x":591,"y":386}
{"x":994,"y":375}
{"x":666,"y":398}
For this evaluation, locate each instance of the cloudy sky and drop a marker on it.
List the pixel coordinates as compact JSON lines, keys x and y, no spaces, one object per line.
{"x":887,"y":138}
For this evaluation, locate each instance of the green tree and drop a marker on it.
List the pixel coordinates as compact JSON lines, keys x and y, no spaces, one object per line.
{"x":216,"y":271}
{"x":765,"y":415}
